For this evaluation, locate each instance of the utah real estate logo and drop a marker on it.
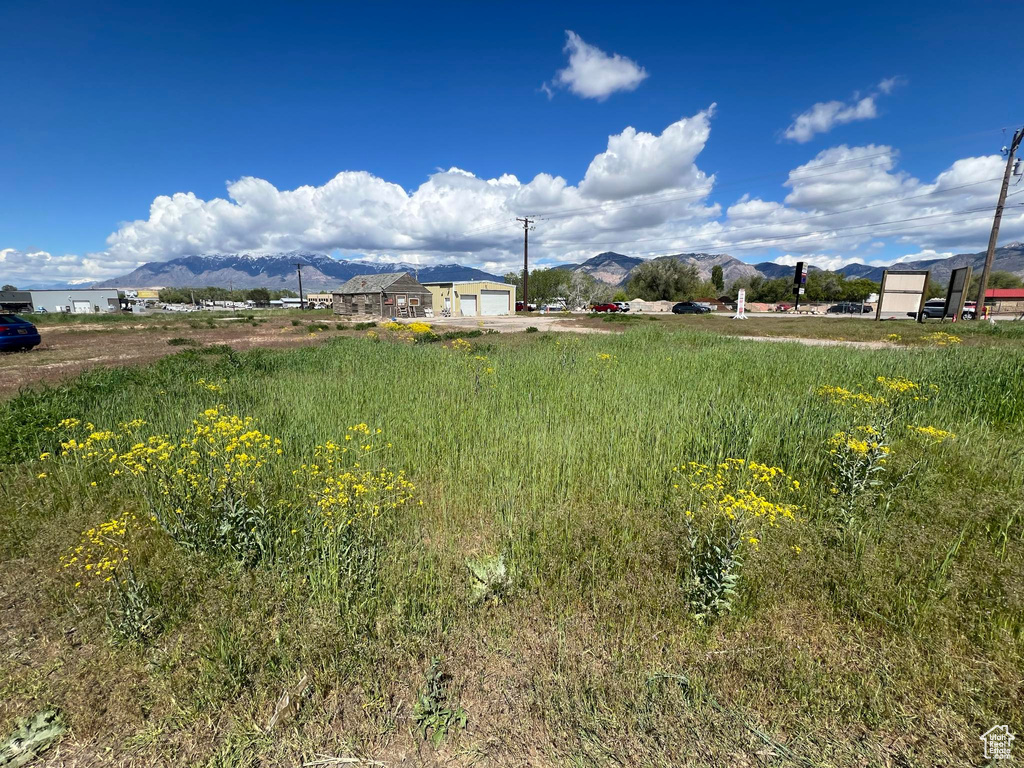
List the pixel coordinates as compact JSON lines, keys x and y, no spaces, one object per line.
{"x":997,"y":740}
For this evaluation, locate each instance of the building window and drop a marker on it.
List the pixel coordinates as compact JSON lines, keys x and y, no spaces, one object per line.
{"x":414,"y":301}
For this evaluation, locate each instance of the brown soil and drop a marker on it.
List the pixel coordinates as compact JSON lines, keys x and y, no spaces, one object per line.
{"x":68,"y":351}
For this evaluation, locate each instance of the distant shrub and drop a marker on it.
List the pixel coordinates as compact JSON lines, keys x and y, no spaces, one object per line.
{"x":178,"y":341}
{"x":364,"y":326}
{"x":296,"y":322}
{"x":217,"y":349}
{"x":341,"y":326}
{"x":531,"y":329}
{"x":616,"y":318}
{"x":318,"y":327}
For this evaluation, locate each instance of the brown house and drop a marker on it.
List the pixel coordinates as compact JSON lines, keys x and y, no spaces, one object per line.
{"x":390,"y":294}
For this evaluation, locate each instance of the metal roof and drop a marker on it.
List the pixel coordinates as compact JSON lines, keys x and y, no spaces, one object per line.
{"x":466,"y":282}
{"x":370,"y":283}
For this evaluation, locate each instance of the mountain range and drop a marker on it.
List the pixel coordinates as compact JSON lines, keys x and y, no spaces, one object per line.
{"x":276,"y":271}
{"x":320,"y":272}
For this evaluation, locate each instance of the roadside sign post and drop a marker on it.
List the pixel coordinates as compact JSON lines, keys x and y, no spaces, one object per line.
{"x":799,"y":284}
{"x":741,"y":305}
{"x":956,"y":293}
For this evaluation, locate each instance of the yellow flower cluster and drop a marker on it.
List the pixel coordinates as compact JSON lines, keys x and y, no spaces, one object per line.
{"x":860,"y":441}
{"x":900,"y":385}
{"x":211,"y":386}
{"x":461,"y":345}
{"x":415,"y":327}
{"x":342,"y":498}
{"x":223,"y":450}
{"x":604,"y":357}
{"x":932,"y":433}
{"x":846,"y":397}
{"x":894,"y":337}
{"x":101,"y":551}
{"x":942,"y":339}
{"x":741,"y":490}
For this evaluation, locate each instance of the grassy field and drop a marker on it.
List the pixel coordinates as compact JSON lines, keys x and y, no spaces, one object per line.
{"x":930,"y":333}
{"x":660,"y":547}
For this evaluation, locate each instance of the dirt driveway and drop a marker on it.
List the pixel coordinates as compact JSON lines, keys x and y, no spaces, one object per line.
{"x":69,"y":350}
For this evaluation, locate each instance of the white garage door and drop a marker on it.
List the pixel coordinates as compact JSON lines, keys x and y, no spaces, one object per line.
{"x":468,"y":304}
{"x":81,"y":307}
{"x":494,"y":302}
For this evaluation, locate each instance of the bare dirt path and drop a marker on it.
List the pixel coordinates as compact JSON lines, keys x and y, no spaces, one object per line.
{"x":68,"y":351}
{"x":825,"y":342}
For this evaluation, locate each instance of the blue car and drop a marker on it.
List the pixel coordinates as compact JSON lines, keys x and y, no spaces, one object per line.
{"x":17,"y":334}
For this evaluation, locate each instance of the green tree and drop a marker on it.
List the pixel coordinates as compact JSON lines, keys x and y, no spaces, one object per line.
{"x":545,"y":284}
{"x":996,"y":279}
{"x":582,"y":290}
{"x":664,"y":280}
{"x":258,"y":296}
{"x":718,"y":278}
{"x":760,"y":288}
{"x":516,"y":279}
{"x":859,"y":289}
{"x":8,"y":287}
{"x":824,"y":286}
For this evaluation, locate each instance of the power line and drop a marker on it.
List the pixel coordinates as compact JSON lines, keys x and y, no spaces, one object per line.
{"x":696,"y":193}
{"x":557,"y":242}
{"x":764,"y":241}
{"x":673,"y":196}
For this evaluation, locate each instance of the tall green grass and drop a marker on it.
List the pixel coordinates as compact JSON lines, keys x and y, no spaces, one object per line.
{"x":560,"y":461}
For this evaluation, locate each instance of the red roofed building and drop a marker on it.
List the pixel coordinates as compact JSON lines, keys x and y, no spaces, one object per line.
{"x":1002,"y":301}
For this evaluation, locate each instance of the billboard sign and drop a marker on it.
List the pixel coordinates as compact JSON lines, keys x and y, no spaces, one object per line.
{"x":956,"y":293}
{"x":902,"y":294}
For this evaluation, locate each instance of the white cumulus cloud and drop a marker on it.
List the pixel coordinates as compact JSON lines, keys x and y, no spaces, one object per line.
{"x":826,"y":115}
{"x":644,"y":195}
{"x":638,"y":163}
{"x":594,"y":74}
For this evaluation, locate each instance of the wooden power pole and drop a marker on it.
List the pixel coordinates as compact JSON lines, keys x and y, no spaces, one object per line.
{"x":302,"y":304}
{"x":992,"y":238}
{"x":526,"y":259}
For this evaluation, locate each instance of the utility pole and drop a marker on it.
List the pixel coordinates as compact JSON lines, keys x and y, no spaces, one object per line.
{"x":526,"y":259}
{"x":991,"y":254}
{"x":302,"y":304}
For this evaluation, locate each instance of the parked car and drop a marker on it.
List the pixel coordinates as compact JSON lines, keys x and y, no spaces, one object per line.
{"x":970,"y":310}
{"x":783,"y":307}
{"x":604,"y":308}
{"x":848,"y":308}
{"x":933,"y":308}
{"x":17,"y":334}
{"x":622,"y":305}
{"x":520,"y":307}
{"x":690,"y":308}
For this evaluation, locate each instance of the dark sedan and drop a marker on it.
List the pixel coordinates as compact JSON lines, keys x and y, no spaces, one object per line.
{"x":690,"y":308}
{"x":17,"y":334}
{"x":849,"y":308}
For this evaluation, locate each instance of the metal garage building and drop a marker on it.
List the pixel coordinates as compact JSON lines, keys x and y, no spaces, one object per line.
{"x":473,"y":298}
{"x":76,"y":301}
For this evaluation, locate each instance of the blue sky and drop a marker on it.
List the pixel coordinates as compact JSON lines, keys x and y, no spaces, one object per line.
{"x":110,"y":106}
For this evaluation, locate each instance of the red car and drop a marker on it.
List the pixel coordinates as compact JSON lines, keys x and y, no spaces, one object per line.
{"x":783,"y":307}
{"x":520,"y":307}
{"x":604,"y":308}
